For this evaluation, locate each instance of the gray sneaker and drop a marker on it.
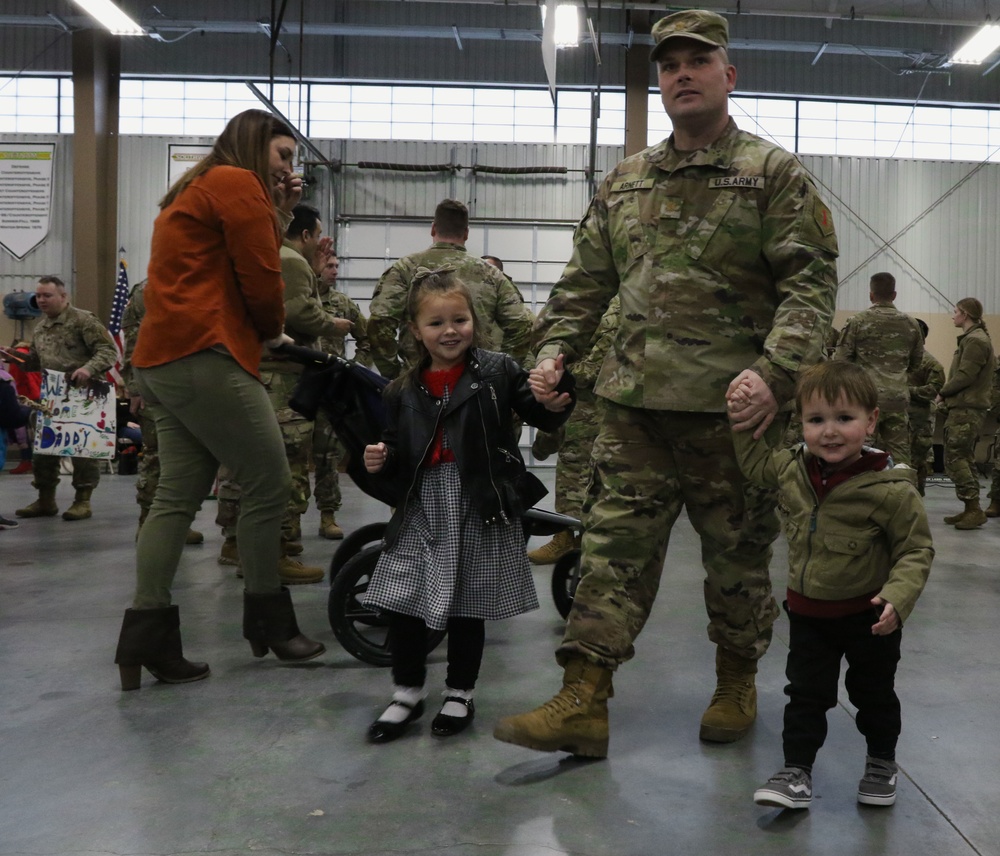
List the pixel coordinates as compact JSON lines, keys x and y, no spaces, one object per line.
{"x":878,"y":785}
{"x":790,"y":787}
{"x":7,"y":523}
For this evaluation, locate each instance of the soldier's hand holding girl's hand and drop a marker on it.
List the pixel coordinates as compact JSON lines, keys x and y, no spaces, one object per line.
{"x":889,"y":620}
{"x":375,"y":457}
{"x":543,"y":380}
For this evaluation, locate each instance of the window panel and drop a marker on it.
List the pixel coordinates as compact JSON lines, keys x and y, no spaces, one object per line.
{"x":37,"y":87}
{"x":848,"y":112}
{"x":495,"y":97}
{"x":446,"y":95}
{"x":817,"y":110}
{"x":569,"y":135}
{"x":412,"y":131}
{"x":448,"y":131}
{"x":205,"y":89}
{"x":856,"y":148}
{"x":156,"y":89}
{"x":36,"y":125}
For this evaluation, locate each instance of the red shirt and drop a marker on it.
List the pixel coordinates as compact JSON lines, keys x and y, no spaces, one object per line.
{"x":440,"y":384}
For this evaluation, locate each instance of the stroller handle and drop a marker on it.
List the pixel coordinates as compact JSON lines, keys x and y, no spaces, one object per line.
{"x":307,"y":356}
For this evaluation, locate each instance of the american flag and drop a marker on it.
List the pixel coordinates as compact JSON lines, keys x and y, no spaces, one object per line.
{"x":115,"y":323}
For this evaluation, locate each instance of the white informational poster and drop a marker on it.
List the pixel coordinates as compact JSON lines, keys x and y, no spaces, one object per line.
{"x":25,"y":195}
{"x":180,"y":158}
{"x":77,"y":422}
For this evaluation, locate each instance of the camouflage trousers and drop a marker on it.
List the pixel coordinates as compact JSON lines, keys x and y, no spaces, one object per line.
{"x":961,"y":432}
{"x":149,"y":462}
{"x":892,"y":435}
{"x":86,"y":471}
{"x":921,"y":441}
{"x":994,"y":493}
{"x":327,"y":453}
{"x":296,"y":434}
{"x":573,"y":466}
{"x":647,"y":466}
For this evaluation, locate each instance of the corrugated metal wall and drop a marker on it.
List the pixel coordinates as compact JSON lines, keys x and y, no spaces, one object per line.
{"x":939,"y":223}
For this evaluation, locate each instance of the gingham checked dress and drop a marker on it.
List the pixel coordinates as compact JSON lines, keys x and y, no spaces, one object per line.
{"x":447,"y":561}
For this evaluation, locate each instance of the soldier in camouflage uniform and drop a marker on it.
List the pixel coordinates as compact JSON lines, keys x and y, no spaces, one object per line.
{"x":149,"y":462}
{"x":724,"y":259}
{"x":966,"y":395}
{"x":888,"y":345}
{"x":994,"y":507}
{"x":327,"y":450}
{"x":577,"y":441}
{"x":498,"y":302}
{"x":925,"y":383}
{"x":67,"y":340}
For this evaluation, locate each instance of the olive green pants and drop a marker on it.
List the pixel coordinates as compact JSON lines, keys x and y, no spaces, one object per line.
{"x":209,"y":411}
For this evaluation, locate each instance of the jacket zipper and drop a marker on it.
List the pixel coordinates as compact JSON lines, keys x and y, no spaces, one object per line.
{"x":416,"y":472}
{"x":489,"y":469}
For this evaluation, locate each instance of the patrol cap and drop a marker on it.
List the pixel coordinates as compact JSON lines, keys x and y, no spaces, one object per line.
{"x":697,"y":24}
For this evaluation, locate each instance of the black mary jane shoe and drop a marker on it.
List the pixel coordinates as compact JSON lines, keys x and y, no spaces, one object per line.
{"x":382,"y":731}
{"x":445,"y":726}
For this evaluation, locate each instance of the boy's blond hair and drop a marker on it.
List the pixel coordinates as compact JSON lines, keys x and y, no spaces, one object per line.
{"x":836,"y":378}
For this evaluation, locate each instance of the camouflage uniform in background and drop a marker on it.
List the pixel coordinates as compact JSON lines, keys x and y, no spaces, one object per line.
{"x":149,"y":462}
{"x":499,"y":306}
{"x":74,"y":339}
{"x":994,"y":509}
{"x":724,"y":259}
{"x":967,"y":393}
{"x":925,"y":383}
{"x":888,"y":344}
{"x":573,"y":466}
{"x":327,"y":450}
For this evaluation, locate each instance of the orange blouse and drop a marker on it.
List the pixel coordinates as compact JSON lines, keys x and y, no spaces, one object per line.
{"x":214,"y":272}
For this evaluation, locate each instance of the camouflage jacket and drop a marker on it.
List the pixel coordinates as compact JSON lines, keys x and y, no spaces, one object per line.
{"x":725,"y":259}
{"x":887,"y":343}
{"x":305,"y":319}
{"x":72,"y":340}
{"x":925,"y":383}
{"x":586,"y":370}
{"x":498,"y":303}
{"x":339,"y":305}
{"x":135,"y":309}
{"x":970,"y":378}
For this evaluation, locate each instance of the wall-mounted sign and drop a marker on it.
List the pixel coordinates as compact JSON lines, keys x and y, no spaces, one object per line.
{"x":181,"y":158}
{"x":25,"y":195}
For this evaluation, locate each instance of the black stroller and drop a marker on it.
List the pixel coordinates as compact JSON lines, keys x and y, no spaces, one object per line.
{"x":350,"y":395}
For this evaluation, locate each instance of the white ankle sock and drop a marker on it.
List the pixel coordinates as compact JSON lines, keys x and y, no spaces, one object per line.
{"x":453,"y":708}
{"x":409,"y":696}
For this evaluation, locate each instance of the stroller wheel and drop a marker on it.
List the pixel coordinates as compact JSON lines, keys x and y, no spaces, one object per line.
{"x":371,"y":533}
{"x":565,"y":578}
{"x":363,"y":631}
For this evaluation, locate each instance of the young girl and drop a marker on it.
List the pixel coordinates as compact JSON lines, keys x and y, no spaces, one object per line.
{"x":453,"y":552}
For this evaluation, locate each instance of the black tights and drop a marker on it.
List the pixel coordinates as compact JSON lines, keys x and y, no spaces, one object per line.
{"x":408,"y":645}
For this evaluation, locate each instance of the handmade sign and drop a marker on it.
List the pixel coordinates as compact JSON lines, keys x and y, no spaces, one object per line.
{"x":78,"y":422}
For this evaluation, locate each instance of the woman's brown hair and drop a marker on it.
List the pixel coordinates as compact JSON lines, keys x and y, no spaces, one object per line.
{"x":245,"y":142}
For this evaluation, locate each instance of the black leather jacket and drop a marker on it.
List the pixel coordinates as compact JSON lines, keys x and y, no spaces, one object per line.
{"x":480,"y":432}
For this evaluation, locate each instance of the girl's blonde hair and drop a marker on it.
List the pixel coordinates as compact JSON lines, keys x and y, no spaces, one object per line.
{"x":245,"y":142}
{"x":435,"y":283}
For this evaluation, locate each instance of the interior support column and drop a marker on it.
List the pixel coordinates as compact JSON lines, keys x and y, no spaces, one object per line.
{"x":96,"y":74}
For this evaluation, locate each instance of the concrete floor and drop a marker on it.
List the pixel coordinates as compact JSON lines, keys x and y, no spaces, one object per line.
{"x":267,"y":758}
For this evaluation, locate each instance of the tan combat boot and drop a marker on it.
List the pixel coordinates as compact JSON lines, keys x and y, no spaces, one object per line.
{"x":44,"y":506}
{"x":952,"y":519}
{"x":230,"y":553}
{"x":194,"y":537}
{"x":548,"y":554}
{"x":973,"y":517}
{"x":575,"y":720}
{"x":80,"y":509}
{"x":733,"y":708}
{"x":292,"y":572}
{"x":328,"y":527}
{"x":994,"y":509}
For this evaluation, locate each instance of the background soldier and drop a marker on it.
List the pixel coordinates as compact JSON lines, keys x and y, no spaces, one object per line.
{"x":149,"y":462}
{"x":327,"y":450}
{"x":887,"y":343}
{"x":723,"y":257}
{"x":925,"y":383}
{"x":498,"y":302}
{"x":576,"y":441}
{"x":67,"y":340}
{"x":994,"y":507}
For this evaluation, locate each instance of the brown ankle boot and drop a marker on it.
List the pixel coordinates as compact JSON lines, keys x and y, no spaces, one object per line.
{"x":151,"y":638}
{"x":733,"y":708}
{"x":575,"y":720}
{"x":269,"y":623}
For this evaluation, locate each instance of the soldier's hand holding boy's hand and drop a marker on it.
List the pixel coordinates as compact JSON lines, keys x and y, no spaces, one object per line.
{"x":759,"y":411}
{"x":889,"y":620}
{"x":375,"y":457}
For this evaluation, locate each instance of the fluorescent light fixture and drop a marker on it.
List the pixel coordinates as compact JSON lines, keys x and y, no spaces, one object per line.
{"x":979,"y":47}
{"x":567,"y":25}
{"x":111,"y":17}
